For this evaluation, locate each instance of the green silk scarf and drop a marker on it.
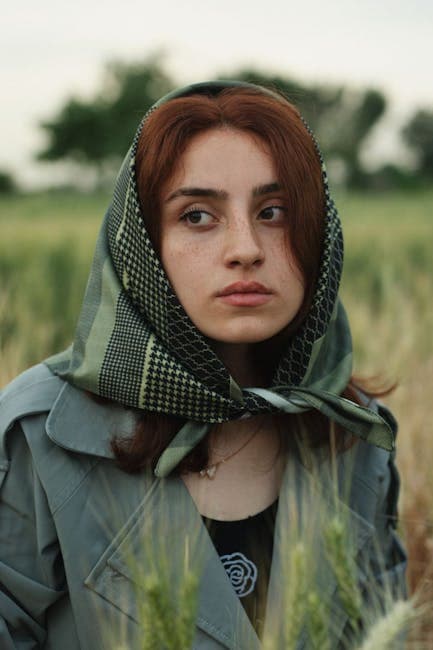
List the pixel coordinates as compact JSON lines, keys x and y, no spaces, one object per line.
{"x":135,"y":344}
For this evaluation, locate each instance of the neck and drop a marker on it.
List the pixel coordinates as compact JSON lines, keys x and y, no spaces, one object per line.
{"x":223,"y":435}
{"x":239,"y":361}
{"x":244,"y":448}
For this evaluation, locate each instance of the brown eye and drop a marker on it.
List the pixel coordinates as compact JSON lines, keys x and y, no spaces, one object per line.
{"x":273,"y":213}
{"x":197,"y":218}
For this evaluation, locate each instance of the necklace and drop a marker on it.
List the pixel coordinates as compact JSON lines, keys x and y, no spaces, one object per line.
{"x":210,"y":470}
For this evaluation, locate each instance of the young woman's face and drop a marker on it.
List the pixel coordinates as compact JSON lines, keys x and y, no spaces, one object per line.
{"x":223,"y":242}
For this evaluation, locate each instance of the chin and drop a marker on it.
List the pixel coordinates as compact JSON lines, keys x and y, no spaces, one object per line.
{"x":245,"y":336}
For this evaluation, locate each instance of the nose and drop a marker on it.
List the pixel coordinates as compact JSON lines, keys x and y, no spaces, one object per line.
{"x":243,"y":246}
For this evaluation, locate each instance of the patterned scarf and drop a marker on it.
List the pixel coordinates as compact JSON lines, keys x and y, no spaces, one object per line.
{"x":136,"y":345}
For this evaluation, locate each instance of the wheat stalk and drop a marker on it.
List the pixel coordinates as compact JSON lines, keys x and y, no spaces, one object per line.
{"x":338,"y":548}
{"x":318,"y":616}
{"x":296,"y":595}
{"x":383,"y":633}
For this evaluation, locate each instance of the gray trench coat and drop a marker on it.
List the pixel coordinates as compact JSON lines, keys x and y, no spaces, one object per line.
{"x":70,"y":521}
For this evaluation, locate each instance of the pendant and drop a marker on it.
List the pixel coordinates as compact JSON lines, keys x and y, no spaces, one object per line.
{"x":208,"y":472}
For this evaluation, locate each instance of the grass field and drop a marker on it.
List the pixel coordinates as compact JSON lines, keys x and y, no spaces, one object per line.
{"x":46,"y":243}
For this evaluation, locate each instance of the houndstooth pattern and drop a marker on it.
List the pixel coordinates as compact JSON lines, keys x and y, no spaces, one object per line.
{"x":166,"y":386}
{"x":120,"y":375}
{"x":169,"y":388}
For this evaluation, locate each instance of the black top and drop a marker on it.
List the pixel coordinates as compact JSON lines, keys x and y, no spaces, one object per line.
{"x":245,"y":550}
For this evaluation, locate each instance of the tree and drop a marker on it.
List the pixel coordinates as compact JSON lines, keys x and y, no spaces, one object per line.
{"x":131,"y":88}
{"x":345,"y":129}
{"x":7,"y":183}
{"x":418,"y":134}
{"x":97,"y":132}
{"x":79,"y":132}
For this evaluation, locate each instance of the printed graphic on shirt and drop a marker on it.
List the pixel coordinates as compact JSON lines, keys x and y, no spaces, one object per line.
{"x":241,"y":572}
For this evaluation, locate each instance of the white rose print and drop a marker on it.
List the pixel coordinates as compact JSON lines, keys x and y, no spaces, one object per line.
{"x":241,"y":572}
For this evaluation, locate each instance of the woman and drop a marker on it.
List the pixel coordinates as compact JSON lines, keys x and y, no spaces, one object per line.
{"x":211,"y":354}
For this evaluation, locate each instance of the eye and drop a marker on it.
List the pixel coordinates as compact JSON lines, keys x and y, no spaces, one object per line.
{"x":273,"y":213}
{"x":197,"y":218}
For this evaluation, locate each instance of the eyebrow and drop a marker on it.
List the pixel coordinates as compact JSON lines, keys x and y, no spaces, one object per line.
{"x":198,"y":191}
{"x":268,"y":188}
{"x":208,"y":192}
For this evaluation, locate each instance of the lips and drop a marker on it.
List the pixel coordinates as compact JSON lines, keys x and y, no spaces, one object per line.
{"x":245,"y":294}
{"x":245,"y":287}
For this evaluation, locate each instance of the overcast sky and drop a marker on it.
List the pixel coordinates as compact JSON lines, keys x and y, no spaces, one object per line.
{"x":50,"y":49}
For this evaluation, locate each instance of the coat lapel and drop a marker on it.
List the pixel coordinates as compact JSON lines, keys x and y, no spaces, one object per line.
{"x":166,"y":527}
{"x":165,"y":537}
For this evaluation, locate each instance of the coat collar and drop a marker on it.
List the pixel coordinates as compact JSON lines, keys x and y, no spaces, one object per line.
{"x":80,"y":424}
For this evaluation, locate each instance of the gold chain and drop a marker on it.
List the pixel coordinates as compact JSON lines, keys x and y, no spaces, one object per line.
{"x":210,"y":470}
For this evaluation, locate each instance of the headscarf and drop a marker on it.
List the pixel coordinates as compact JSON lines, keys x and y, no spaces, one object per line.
{"x":136,"y":345}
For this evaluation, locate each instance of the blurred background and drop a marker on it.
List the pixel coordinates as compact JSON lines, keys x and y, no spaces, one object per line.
{"x":360,"y":71}
{"x":77,"y":77}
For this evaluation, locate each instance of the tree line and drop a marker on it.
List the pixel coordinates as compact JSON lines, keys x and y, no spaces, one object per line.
{"x":94,"y":134}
